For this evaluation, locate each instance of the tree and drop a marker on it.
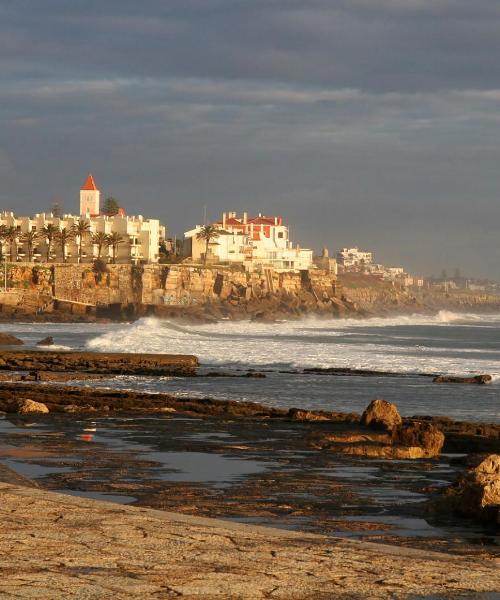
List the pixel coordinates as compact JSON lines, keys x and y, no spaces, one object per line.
{"x":56,"y":209}
{"x":114,"y":240}
{"x":11,"y":236}
{"x":49,"y":232}
{"x":3,"y":230}
{"x":64,"y":237}
{"x":30,"y":238}
{"x":81,"y":230}
{"x":111,"y":207}
{"x":207,"y":233}
{"x":101,"y":240}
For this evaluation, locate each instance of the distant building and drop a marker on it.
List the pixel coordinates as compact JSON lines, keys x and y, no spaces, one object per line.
{"x":325,"y":262}
{"x":140,"y":237}
{"x":353,"y":258}
{"x":253,"y":242}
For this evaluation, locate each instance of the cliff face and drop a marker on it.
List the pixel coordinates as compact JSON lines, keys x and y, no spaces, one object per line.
{"x":369,"y":294}
{"x":127,"y":291}
{"x":165,"y":289}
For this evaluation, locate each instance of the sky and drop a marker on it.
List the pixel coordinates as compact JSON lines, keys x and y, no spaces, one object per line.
{"x":362,"y":122}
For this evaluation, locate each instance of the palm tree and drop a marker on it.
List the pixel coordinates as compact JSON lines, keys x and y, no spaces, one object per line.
{"x":81,"y":230}
{"x":100,"y":240}
{"x":114,"y":240}
{"x":50,"y":233}
{"x":207,"y":233}
{"x":30,"y":238}
{"x":3,"y":230}
{"x":64,"y":237}
{"x":11,"y":236}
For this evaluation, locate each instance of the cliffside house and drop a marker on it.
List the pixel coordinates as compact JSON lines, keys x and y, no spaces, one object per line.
{"x":254,"y":242}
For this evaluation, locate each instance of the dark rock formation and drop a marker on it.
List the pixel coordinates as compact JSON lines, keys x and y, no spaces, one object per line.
{"x":394,"y":439}
{"x":47,"y":341}
{"x":96,"y":362}
{"x":6,"y":339}
{"x":381,"y":414}
{"x":477,"y":379}
{"x":476,"y":493}
{"x":420,"y":434}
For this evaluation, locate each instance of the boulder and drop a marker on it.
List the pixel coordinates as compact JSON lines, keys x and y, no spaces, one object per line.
{"x":28,"y":407}
{"x":476,"y":493}
{"x":477,"y":379}
{"x":422,"y":435}
{"x":6,"y":339}
{"x":47,"y":341}
{"x":381,"y":414}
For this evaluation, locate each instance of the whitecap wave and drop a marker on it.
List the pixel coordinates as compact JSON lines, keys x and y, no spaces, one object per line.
{"x":317,"y":343}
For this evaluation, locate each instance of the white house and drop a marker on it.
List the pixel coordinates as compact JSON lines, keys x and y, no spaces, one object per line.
{"x":254,"y":242}
{"x":353,"y":258}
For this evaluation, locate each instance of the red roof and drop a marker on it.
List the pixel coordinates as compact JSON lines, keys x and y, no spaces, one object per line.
{"x":89,"y":184}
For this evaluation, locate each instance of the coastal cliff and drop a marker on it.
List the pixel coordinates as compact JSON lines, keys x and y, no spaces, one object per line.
{"x":125,"y":292}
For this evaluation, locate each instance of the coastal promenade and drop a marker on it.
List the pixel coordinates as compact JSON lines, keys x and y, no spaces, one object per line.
{"x":58,"y":546}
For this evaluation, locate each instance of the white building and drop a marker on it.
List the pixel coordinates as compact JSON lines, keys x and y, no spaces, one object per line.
{"x":353,"y":258}
{"x":253,"y":242}
{"x":139,"y":237}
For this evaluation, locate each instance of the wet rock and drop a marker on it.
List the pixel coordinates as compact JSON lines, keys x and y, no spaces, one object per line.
{"x":6,"y":339}
{"x":383,"y":451}
{"x":381,"y":414}
{"x":420,"y":434}
{"x":27,"y":407}
{"x":95,"y":362}
{"x":476,"y":493}
{"x":297,"y":414}
{"x":476,"y":379}
{"x":47,"y":341}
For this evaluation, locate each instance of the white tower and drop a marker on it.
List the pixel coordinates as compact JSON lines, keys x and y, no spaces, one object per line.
{"x":89,"y":198}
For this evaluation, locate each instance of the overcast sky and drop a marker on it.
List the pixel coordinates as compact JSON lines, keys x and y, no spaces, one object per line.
{"x":368,"y":122}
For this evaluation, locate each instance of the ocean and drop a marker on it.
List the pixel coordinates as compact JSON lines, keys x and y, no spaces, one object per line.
{"x":453,"y":343}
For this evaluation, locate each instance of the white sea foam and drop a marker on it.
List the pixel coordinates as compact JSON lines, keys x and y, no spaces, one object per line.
{"x":354,"y":343}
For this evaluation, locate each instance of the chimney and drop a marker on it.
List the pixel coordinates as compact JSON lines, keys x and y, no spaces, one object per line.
{"x":245,"y":218}
{"x":224,"y":216}
{"x":275,"y":220}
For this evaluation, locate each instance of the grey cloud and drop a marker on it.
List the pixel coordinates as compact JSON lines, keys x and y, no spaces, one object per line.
{"x":362,"y":122}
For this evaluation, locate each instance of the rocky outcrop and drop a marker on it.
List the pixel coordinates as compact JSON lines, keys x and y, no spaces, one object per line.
{"x":6,"y":339}
{"x":475,"y":379}
{"x":47,"y":341}
{"x":382,"y":434}
{"x":28,"y":407}
{"x":420,"y":434}
{"x":476,"y":493}
{"x":381,"y":414}
{"x":97,"y":362}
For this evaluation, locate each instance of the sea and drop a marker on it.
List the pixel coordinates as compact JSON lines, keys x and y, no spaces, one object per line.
{"x":410,"y":346}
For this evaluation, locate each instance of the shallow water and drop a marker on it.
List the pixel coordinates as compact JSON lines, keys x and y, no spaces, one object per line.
{"x":122,"y":459}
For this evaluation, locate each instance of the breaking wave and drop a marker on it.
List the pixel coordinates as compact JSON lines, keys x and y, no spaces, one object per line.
{"x":408,"y":344}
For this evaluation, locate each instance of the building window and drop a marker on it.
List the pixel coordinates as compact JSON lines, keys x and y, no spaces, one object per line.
{"x":280,"y":234}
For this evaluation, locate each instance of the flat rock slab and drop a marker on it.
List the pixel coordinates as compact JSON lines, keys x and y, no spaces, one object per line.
{"x":99,"y":362}
{"x":57,"y":546}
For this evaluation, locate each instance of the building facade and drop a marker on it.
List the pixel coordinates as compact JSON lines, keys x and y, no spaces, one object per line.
{"x":136,"y":239}
{"x":254,"y":242}
{"x":353,"y":258}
